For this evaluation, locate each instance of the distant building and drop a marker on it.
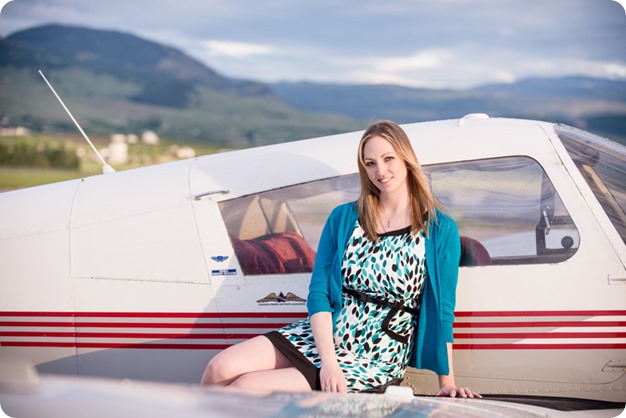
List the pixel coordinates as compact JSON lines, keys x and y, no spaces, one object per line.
{"x":150,"y":137}
{"x":117,"y":151}
{"x":118,"y":138}
{"x":17,"y":131}
{"x":185,"y":152}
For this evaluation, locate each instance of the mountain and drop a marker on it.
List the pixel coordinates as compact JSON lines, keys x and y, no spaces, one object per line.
{"x":564,"y":87}
{"x":578,"y":101}
{"x":118,"y":82}
{"x":120,"y":55}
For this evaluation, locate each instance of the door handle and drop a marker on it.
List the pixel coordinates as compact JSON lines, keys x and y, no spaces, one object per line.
{"x":617,"y":279}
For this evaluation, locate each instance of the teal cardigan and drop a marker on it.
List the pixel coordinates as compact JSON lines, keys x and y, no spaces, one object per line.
{"x":443,"y":249}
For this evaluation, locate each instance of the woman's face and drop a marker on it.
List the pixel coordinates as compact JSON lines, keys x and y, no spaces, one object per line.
{"x":386,"y":169}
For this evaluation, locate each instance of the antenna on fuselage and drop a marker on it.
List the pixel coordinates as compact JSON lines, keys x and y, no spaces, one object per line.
{"x":106,"y":169}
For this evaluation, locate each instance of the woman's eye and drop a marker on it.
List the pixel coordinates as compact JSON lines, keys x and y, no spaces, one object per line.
{"x":388,"y":158}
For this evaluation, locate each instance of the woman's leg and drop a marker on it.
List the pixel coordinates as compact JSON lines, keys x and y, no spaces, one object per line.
{"x":288,"y":379}
{"x":257,"y":354}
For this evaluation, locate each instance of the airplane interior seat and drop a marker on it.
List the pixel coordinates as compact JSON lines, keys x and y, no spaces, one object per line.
{"x":473,"y":253}
{"x":286,"y":252}
{"x":253,"y":216}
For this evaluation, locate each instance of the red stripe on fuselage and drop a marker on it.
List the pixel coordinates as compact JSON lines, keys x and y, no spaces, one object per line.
{"x":38,"y":319}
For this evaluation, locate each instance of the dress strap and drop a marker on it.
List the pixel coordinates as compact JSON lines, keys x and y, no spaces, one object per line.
{"x":394,"y":308}
{"x":397,"y":306}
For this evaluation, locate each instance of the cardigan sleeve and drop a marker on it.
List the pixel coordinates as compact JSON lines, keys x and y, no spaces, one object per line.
{"x":448,"y":256}
{"x":318,"y":299}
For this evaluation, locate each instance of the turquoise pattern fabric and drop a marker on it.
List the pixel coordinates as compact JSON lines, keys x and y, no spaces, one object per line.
{"x":392,"y":268}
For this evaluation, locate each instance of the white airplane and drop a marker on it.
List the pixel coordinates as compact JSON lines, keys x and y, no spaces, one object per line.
{"x":147,"y":273}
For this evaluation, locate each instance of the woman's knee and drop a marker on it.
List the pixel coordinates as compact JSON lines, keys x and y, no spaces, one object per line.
{"x":251,"y":355}
{"x":218,"y":371}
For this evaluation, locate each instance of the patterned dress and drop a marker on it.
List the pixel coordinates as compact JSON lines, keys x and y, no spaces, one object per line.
{"x":372,"y":342}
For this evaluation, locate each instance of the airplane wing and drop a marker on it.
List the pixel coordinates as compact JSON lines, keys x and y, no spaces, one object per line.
{"x":25,"y":394}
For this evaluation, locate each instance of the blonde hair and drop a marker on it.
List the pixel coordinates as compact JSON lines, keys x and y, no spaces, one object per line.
{"x":423,"y":202}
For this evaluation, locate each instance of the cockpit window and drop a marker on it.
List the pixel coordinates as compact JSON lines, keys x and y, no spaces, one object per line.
{"x":602,"y":164}
{"x":278,"y":231}
{"x":507,"y":211}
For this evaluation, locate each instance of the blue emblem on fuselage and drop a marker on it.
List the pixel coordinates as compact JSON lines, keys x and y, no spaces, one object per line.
{"x":219,"y":258}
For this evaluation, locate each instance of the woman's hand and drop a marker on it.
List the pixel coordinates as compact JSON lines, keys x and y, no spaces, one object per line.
{"x":331,"y":375}
{"x":332,"y":378}
{"x":448,"y":388}
{"x":453,"y":391}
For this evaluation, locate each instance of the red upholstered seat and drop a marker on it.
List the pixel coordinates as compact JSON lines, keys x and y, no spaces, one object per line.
{"x":473,"y":253}
{"x":286,"y":252}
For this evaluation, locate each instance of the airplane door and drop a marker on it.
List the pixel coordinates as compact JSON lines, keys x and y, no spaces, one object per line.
{"x":260,"y":249}
{"x":143,"y":296}
{"x":533,"y":285}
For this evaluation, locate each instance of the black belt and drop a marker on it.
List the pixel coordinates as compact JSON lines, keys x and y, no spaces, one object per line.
{"x":395,"y":307}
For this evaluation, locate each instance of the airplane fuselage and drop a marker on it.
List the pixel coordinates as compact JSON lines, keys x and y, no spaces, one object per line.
{"x":148,"y":273}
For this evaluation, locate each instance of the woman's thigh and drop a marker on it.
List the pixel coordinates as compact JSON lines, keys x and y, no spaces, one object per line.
{"x":287,"y":379}
{"x":257,"y":353}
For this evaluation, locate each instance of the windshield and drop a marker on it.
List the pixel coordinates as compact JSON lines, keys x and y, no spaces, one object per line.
{"x":602,"y":163}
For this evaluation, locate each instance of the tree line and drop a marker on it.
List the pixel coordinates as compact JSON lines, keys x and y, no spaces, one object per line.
{"x":27,"y":152}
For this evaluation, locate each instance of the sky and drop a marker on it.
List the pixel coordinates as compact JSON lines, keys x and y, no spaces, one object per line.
{"x":417,"y":43}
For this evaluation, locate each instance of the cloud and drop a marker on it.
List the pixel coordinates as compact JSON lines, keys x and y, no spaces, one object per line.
{"x":425,"y":59}
{"x":235,"y":49}
{"x":420,"y":43}
{"x":466,"y":66}
{"x":615,"y":70}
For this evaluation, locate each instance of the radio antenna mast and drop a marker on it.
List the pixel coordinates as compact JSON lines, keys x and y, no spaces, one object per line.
{"x":106,"y":169}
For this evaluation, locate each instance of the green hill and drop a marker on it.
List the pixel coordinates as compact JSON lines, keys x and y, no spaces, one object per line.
{"x":116,"y":82}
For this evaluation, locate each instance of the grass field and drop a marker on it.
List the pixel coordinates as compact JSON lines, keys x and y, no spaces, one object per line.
{"x":12,"y":178}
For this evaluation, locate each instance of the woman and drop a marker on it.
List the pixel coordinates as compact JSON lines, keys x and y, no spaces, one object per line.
{"x":382,"y":292}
